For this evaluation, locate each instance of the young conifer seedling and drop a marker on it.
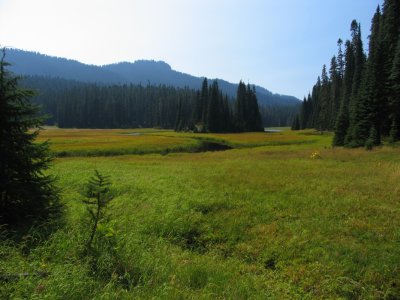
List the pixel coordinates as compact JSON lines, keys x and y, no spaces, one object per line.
{"x":97,"y":197}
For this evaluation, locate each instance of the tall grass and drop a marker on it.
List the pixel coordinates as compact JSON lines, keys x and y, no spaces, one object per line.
{"x":250,"y":223}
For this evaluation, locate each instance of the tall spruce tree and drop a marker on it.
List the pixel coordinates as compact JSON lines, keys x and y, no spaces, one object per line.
{"x":246,"y":110}
{"x":213,"y":113}
{"x":253,"y":115}
{"x":204,"y":101}
{"x":395,"y":96}
{"x":356,"y":134}
{"x":26,"y":193}
{"x":335,"y":90}
{"x":240,"y":107}
{"x":342,"y":120}
{"x":372,"y":99}
{"x":324,"y":101}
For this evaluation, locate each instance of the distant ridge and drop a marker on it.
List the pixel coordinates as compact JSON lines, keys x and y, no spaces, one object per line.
{"x":140,"y":72}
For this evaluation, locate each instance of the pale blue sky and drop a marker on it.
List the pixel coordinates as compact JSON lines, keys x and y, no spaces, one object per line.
{"x":280,"y":44}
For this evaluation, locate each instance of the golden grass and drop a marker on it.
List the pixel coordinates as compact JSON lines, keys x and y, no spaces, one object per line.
{"x":119,"y":140}
{"x":139,"y":141}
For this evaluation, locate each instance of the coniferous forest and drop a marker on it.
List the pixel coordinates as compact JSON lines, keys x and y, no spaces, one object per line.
{"x":358,"y":97}
{"x":71,"y":104}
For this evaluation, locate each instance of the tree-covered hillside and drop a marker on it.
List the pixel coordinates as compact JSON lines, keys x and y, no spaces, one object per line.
{"x":71,"y":103}
{"x":84,"y":105}
{"x":140,"y":72}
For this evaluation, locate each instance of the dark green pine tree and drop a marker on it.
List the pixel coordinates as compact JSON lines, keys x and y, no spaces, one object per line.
{"x":296,"y":123}
{"x":371,"y":106}
{"x":179,"y":122}
{"x":308,"y":112}
{"x":226,"y":118}
{"x":303,"y":114}
{"x":197,"y":110}
{"x":335,"y":90}
{"x":342,"y":120}
{"x":356,"y":135}
{"x":390,"y":39}
{"x":340,"y":59}
{"x":26,"y":193}
{"x":394,"y":97}
{"x":315,"y":104}
{"x":213,"y":115}
{"x":204,"y":97}
{"x":372,"y":98}
{"x":391,"y":30}
{"x":240,"y":108}
{"x":253,"y":116}
{"x":324,"y":102}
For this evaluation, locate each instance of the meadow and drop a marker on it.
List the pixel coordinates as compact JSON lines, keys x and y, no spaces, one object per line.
{"x":281,"y":215}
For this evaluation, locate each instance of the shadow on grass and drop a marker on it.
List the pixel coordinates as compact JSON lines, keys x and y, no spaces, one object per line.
{"x":34,"y":231}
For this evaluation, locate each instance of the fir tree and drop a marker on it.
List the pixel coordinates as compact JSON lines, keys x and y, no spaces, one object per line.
{"x":324,"y":102}
{"x":204,"y":101}
{"x":356,"y":134}
{"x":213,"y":116}
{"x":395,"y":96}
{"x":296,"y":123}
{"x":253,"y":112}
{"x":26,"y":193}
{"x":342,"y":120}
{"x":340,"y":59}
{"x":335,"y":90}
{"x":240,"y":107}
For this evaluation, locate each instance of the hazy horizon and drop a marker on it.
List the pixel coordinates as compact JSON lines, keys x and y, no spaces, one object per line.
{"x":280,"y":46}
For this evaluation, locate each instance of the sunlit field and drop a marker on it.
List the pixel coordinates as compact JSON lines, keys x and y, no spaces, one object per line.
{"x":95,"y":142}
{"x":292,"y":218}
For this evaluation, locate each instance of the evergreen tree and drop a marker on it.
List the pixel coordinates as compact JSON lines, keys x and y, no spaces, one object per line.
{"x":247,"y":111}
{"x":368,"y":88}
{"x":340,"y":59}
{"x":395,"y":96}
{"x":240,"y":107}
{"x":342,"y":120}
{"x":303,"y":114}
{"x":389,"y":38}
{"x":213,"y":115}
{"x":179,"y":117}
{"x":373,"y":102}
{"x":253,"y":112}
{"x":296,"y":123}
{"x":309,"y":112}
{"x":391,"y":30}
{"x":335,"y":90}
{"x":323,"y":113}
{"x":356,"y":134}
{"x":204,"y":101}
{"x":26,"y":194}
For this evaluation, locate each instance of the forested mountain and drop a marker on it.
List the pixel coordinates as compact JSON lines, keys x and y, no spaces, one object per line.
{"x":359,"y":96}
{"x":140,"y":72}
{"x":88,"y":105}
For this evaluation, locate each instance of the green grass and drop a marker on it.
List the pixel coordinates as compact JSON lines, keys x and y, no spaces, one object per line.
{"x":248,"y":223}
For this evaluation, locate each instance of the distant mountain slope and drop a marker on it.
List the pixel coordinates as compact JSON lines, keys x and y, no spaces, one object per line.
{"x":139,"y":72}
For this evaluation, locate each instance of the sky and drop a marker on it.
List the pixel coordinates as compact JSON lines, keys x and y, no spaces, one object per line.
{"x":278,"y":44}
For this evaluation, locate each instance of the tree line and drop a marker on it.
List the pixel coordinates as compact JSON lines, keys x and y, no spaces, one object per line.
{"x":85,"y":105}
{"x":359,"y":96}
{"x":214,"y":112}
